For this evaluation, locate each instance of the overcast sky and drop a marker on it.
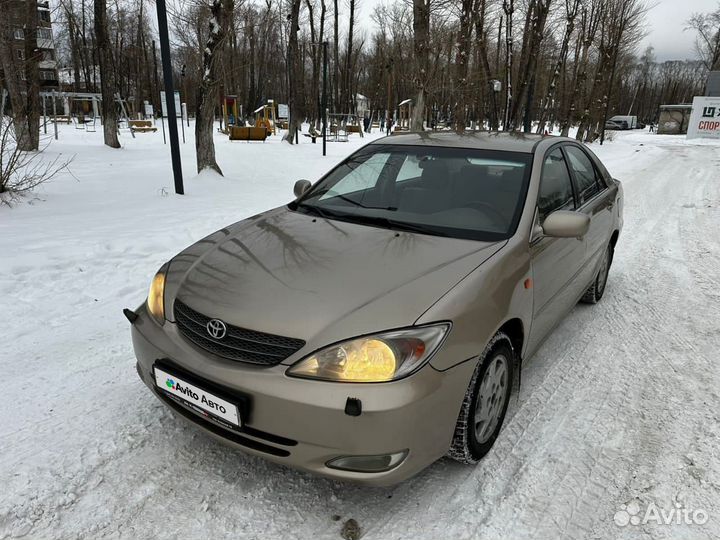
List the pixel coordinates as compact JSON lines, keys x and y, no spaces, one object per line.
{"x":666,"y":23}
{"x":666,"y":27}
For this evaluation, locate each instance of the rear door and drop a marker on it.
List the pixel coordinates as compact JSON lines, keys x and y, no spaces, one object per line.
{"x":595,"y":200}
{"x":556,"y":262}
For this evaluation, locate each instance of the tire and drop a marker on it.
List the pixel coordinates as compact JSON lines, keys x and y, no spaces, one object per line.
{"x":472,"y":440}
{"x":597,"y":288}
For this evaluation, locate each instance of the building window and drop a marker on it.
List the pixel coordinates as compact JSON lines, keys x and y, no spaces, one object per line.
{"x":47,"y":75}
{"x":44,"y":33}
{"x":19,"y":34}
{"x":20,"y":54}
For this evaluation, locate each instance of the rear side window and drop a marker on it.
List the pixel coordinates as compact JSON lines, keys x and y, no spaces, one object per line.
{"x":555,"y":186}
{"x":588,"y":183}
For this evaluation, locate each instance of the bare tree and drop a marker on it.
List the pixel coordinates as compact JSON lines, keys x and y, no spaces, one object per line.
{"x":483,"y":61}
{"x":508,"y":9}
{"x":707,"y":44}
{"x":462,"y":89}
{"x":221,"y":14}
{"x":22,"y":171}
{"x":533,"y":34}
{"x":336,"y":55}
{"x":107,"y":75}
{"x":21,"y":76}
{"x":295,"y":79}
{"x":571,"y":11}
{"x":421,"y":41}
{"x":347,"y":79}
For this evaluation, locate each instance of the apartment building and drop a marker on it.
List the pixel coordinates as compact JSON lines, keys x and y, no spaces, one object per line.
{"x":15,"y":10}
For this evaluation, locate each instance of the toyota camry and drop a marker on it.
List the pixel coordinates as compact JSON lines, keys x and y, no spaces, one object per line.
{"x":378,"y":322}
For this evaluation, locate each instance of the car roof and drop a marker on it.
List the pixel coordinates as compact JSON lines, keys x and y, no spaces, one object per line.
{"x":513,"y":141}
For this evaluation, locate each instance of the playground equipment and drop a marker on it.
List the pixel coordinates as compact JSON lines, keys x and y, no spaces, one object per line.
{"x":404,"y":115}
{"x":265,"y":117}
{"x":230,"y":109}
{"x":88,"y":101}
{"x":342,"y":125}
{"x":86,"y":123}
{"x":142,"y":126}
{"x":248,"y":133}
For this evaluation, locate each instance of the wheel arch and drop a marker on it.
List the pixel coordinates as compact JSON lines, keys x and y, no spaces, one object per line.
{"x":515,"y":330}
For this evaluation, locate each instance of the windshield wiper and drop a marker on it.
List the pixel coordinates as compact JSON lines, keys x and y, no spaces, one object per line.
{"x":361,"y":205}
{"x":399,"y":225}
{"x":372,"y":220}
{"x":317,"y":210}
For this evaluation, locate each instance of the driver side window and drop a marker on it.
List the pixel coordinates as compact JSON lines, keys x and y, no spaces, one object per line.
{"x":556,"y":191}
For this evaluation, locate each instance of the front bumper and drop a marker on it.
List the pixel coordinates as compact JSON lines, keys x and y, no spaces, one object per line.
{"x":303,"y":423}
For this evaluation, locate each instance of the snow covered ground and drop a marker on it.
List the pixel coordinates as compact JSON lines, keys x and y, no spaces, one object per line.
{"x":619,"y":411}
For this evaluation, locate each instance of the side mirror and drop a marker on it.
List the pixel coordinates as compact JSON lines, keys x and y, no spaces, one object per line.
{"x":566,"y":224}
{"x":301,"y":186}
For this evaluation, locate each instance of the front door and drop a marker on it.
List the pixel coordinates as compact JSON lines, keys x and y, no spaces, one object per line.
{"x":556,"y":262}
{"x":595,"y":200}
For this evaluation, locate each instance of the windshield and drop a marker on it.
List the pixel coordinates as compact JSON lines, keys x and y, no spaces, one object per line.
{"x":457,"y":192}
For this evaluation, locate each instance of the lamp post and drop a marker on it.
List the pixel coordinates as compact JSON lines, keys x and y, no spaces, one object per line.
{"x":169,"y":96}
{"x":324,"y":93}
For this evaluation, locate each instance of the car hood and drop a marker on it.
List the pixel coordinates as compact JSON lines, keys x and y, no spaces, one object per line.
{"x":294,"y":275}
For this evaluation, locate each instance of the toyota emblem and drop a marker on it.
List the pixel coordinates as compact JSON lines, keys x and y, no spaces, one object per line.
{"x":216,"y":328}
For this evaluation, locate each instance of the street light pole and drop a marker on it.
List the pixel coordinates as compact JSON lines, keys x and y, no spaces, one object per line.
{"x":169,"y":96}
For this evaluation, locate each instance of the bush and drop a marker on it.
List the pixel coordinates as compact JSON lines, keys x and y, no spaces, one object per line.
{"x":21,"y":172}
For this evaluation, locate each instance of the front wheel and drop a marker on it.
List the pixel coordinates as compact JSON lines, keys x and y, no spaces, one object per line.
{"x":596,"y":290}
{"x":486,"y":402}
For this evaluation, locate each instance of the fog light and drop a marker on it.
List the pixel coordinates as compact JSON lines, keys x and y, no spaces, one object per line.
{"x":371,"y":464}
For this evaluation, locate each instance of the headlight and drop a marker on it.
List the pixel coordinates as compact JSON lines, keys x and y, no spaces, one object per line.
{"x":156,"y":296}
{"x":377,"y":358}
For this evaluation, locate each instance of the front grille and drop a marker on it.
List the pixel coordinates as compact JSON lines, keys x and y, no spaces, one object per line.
{"x":238,"y":344}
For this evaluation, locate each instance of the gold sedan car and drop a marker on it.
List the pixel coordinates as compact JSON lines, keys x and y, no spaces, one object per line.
{"x":378,"y":321}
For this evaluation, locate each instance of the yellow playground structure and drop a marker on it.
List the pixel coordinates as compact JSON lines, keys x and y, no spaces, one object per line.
{"x":265,"y":116}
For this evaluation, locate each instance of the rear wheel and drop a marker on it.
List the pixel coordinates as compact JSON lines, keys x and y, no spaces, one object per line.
{"x":486,"y":402}
{"x":596,"y":290}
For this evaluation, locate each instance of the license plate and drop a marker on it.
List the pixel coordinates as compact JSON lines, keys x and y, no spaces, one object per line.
{"x":197,"y":397}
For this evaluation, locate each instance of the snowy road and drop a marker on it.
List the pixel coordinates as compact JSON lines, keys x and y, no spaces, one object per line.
{"x":618,"y":412}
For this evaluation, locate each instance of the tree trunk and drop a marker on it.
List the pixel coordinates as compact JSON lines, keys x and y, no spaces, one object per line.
{"x":24,"y":94}
{"x":571,"y":13}
{"x":15,"y":87}
{"x":462,"y":90}
{"x":320,"y":56}
{"x":484,"y":75}
{"x":336,"y":57}
{"x":296,"y":75}
{"x":536,"y":30}
{"x":207,"y":95}
{"x":508,"y":8}
{"x":315,"y":52}
{"x":348,"y":61}
{"x":421,"y":40}
{"x":107,"y":76}
{"x":33,"y":55}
